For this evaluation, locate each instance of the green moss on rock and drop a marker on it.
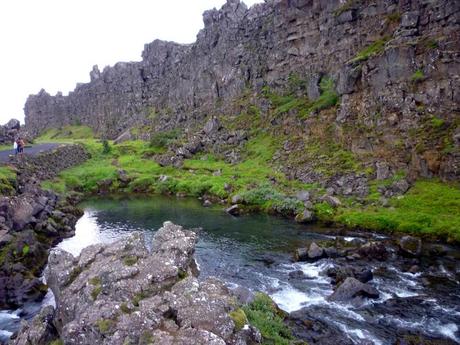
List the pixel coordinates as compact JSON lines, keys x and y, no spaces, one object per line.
{"x":239,"y":318}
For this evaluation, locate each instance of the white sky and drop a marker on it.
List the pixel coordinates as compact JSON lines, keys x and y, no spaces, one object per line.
{"x":53,"y":44}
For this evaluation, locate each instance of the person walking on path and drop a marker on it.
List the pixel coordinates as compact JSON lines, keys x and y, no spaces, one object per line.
{"x":15,"y":147}
{"x":21,"y":145}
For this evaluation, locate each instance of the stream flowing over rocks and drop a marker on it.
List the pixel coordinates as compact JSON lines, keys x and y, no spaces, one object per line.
{"x":354,"y":288}
{"x":121,"y":293}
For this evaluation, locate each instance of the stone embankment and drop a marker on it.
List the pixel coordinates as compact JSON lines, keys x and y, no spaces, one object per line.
{"x":121,"y":293}
{"x":31,"y":221}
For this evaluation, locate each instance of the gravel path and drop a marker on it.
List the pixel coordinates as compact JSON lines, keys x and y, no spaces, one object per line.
{"x":33,"y":150}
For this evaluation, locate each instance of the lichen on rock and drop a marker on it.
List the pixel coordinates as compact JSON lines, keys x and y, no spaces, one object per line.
{"x":148,"y":300}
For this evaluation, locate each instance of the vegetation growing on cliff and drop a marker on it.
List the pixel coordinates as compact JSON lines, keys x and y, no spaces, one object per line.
{"x":67,"y":133}
{"x":260,"y":186}
{"x":287,"y":101}
{"x":375,"y":48}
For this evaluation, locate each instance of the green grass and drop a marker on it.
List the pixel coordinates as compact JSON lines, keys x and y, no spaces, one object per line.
{"x":205,"y":174}
{"x":328,"y":97}
{"x":330,"y":158}
{"x":263,"y":314}
{"x":239,"y":318}
{"x":373,"y":49}
{"x":437,"y":122}
{"x":430,"y":208}
{"x":6,"y":147}
{"x":66,"y":133}
{"x":7,"y":180}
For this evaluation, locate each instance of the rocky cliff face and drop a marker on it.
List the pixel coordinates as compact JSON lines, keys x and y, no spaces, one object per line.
{"x":393,"y":66}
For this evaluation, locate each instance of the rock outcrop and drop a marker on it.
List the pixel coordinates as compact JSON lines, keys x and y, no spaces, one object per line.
{"x":121,"y":293}
{"x":32,"y":220}
{"x":392,"y":67}
{"x":9,"y":132}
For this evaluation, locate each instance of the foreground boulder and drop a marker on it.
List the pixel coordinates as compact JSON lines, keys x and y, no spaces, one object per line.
{"x":352,"y":288}
{"x":122,"y":294}
{"x":410,"y":246}
{"x":41,"y":331}
{"x":340,"y":273}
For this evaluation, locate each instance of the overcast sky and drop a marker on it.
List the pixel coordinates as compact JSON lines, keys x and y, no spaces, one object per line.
{"x":53,"y":44}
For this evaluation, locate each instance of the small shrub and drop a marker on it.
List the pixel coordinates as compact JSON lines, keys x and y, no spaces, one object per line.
{"x":146,"y":338}
{"x":164,"y":139}
{"x":295,"y":82}
{"x":25,"y":250}
{"x":430,"y":43}
{"x":182,"y":274}
{"x":324,"y":211}
{"x":96,"y":291}
{"x":73,"y":275}
{"x":57,"y":342}
{"x":95,"y":281}
{"x":106,"y":147}
{"x":347,"y":5}
{"x":418,"y":76}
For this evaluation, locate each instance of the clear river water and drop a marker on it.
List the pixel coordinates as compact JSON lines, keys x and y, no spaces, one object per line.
{"x":255,"y":251}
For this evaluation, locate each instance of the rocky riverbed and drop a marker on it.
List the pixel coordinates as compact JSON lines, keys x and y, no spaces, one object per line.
{"x":349,"y":288}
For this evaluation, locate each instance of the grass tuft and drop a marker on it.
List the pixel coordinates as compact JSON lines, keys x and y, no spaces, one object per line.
{"x":239,"y":318}
{"x":263,"y":314}
{"x":373,"y":49}
{"x":418,"y":76}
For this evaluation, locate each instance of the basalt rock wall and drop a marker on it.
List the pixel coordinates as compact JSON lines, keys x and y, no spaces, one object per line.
{"x":394,"y":64}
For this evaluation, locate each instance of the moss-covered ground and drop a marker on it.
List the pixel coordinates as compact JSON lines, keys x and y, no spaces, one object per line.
{"x":7,"y":180}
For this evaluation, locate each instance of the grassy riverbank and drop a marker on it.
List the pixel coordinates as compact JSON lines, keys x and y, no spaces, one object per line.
{"x":430,"y":208}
